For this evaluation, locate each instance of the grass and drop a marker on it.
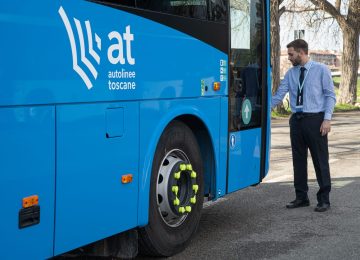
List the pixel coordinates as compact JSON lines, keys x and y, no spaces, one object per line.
{"x":275,"y":114}
{"x":345,"y":107}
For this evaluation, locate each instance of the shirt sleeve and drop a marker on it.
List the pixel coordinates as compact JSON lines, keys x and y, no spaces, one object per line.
{"x":281,"y":92}
{"x":329,"y":93}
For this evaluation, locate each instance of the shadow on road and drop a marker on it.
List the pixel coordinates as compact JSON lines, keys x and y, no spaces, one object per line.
{"x":254,"y":224}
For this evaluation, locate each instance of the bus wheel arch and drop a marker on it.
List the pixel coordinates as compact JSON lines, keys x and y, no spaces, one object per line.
{"x":203,"y":137}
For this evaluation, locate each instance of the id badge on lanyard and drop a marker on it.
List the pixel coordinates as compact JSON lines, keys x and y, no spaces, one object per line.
{"x":299,"y":102}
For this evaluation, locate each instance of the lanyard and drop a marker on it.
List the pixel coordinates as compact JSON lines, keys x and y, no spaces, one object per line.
{"x":302,"y":85}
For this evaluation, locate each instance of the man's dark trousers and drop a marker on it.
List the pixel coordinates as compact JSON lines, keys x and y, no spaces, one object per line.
{"x":304,"y":134}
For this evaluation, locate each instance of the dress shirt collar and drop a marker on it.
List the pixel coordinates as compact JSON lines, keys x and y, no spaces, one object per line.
{"x":306,"y":66}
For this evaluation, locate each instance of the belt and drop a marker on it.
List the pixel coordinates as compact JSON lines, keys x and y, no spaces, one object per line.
{"x":300,"y":115}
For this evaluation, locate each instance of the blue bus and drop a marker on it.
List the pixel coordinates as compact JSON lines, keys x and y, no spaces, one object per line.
{"x":118,"y":118}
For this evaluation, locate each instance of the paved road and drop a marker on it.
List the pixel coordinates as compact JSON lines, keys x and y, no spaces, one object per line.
{"x":344,"y":148}
{"x":254,"y":224}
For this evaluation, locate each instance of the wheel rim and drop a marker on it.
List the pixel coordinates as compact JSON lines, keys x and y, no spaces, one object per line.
{"x":176,"y":188}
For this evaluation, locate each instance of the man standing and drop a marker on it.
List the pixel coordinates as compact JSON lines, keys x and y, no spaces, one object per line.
{"x":312,"y":101}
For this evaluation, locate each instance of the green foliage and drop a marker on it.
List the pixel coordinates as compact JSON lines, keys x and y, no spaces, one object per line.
{"x":275,"y":114}
{"x":336,"y":81}
{"x":345,"y":107}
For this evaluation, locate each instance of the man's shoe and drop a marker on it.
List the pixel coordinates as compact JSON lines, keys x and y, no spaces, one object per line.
{"x":298,"y":203}
{"x":322,"y":207}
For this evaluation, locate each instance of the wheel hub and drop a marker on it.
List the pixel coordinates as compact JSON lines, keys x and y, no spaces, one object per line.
{"x":176,"y":188}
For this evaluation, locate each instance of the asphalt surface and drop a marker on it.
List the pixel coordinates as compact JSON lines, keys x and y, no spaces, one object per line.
{"x":254,"y":224}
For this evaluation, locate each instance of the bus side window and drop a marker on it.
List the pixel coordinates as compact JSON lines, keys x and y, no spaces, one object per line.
{"x":218,"y":10}
{"x":122,"y":2}
{"x":154,"y":5}
{"x":187,"y":8}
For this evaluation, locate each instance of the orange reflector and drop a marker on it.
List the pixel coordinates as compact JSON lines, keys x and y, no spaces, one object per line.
{"x":30,"y":201}
{"x":126,"y":178}
{"x":216,"y":86}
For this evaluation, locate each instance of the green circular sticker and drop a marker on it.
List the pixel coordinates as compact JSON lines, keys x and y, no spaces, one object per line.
{"x":246,"y":111}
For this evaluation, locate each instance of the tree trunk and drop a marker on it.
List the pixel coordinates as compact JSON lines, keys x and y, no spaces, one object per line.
{"x":350,"y":65}
{"x":275,"y":48}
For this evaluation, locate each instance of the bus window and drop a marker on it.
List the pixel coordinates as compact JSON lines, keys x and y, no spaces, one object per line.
{"x":218,"y":10}
{"x":188,"y":8}
{"x":122,"y":2}
{"x":246,"y":64}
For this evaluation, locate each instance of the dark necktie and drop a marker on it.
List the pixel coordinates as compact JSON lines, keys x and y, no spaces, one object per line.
{"x":299,"y":99}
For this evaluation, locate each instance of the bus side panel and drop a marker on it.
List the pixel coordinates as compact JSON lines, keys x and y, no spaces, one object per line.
{"x":152,"y":117}
{"x":96,"y":145}
{"x":27,"y":167}
{"x":244,"y":159}
{"x":47,"y":66}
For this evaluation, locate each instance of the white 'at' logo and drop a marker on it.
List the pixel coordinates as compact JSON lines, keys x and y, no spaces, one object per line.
{"x":114,"y":48}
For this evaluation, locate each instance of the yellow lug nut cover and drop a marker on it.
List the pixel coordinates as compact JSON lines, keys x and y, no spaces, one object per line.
{"x":193,"y":200}
{"x":193,"y":174}
{"x":177,"y":175}
{"x":182,"y":210}
{"x":195,"y":188}
{"x":189,"y":167}
{"x":188,"y":208}
{"x":183,"y":167}
{"x":176,"y":202}
{"x":175,"y":189}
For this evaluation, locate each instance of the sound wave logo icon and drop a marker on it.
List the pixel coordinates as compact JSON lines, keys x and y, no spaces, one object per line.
{"x":85,"y":61}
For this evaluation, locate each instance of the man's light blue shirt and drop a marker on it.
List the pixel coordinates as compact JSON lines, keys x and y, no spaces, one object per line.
{"x":318,"y":89}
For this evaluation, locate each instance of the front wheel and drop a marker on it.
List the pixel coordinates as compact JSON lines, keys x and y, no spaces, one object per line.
{"x":176,"y":192}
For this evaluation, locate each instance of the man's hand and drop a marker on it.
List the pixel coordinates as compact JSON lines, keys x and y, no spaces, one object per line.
{"x":325,"y":127}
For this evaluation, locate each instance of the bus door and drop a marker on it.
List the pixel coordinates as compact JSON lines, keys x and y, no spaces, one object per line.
{"x":246,"y":97}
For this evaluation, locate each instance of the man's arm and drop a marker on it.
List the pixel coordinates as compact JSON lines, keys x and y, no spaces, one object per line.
{"x":281,"y":92}
{"x":330,"y":100}
{"x":329,"y":93}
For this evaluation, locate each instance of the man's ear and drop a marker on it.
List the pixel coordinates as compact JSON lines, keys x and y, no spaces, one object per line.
{"x":302,"y":52}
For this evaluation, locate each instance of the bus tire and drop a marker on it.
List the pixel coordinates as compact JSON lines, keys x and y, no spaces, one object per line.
{"x":174,"y":213}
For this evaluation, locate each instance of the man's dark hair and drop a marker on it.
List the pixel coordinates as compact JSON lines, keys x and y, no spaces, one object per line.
{"x":298,"y":45}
